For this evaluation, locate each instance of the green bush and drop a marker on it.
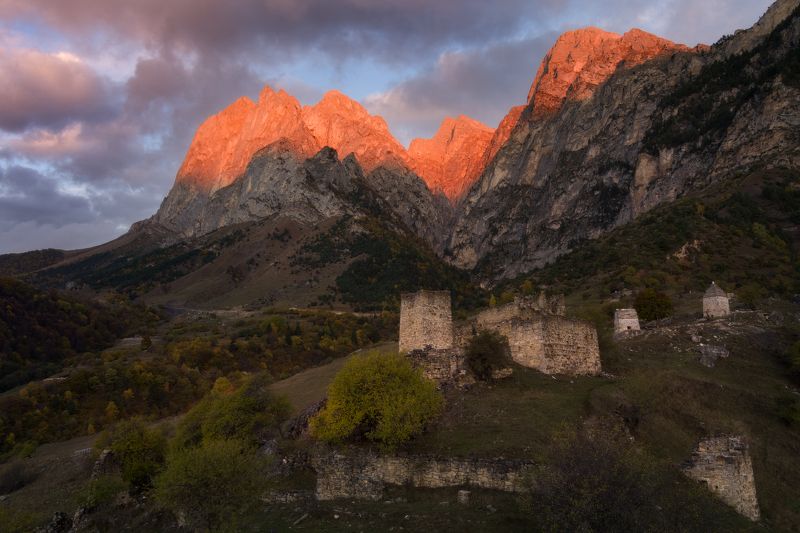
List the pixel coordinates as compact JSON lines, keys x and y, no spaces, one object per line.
{"x":102,"y":490}
{"x":379,"y":397}
{"x":486,"y":352}
{"x":138,"y":449}
{"x":651,"y":304}
{"x":212,"y":485}
{"x":249,"y":414}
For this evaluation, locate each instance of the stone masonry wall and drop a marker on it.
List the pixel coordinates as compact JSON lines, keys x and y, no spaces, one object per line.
{"x":716,"y":306}
{"x":426,"y":320}
{"x":549,"y":343}
{"x":626,"y":320}
{"x":446,"y":367}
{"x":363,"y":475}
{"x":724,"y":464}
{"x":570,"y":347}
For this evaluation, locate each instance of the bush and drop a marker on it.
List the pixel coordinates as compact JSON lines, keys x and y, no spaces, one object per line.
{"x":212,"y":485}
{"x":380,"y":397}
{"x":249,"y":414}
{"x":599,"y":482}
{"x":651,"y":304}
{"x":102,"y":490}
{"x":138,"y":449}
{"x":486,"y":352}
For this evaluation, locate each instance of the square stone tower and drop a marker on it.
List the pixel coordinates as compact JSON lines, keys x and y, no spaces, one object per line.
{"x":626,"y":321}
{"x":426,"y":321}
{"x":715,"y":302}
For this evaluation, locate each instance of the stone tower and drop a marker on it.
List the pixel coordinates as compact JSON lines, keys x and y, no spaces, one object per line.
{"x":625,"y":321}
{"x":426,"y":321}
{"x":724,"y":465}
{"x":715,"y":302}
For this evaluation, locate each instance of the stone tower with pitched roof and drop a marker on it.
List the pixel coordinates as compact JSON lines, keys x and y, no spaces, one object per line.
{"x":715,"y":302}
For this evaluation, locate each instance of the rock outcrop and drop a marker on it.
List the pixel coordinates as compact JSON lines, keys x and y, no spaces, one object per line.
{"x":585,"y":157}
{"x":454,"y":158}
{"x":583,"y":59}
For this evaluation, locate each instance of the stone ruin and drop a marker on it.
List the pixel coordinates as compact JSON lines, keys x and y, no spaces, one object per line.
{"x":538,"y":333}
{"x":364,"y":475}
{"x":626,"y":322}
{"x":426,"y":321}
{"x":715,"y":302}
{"x":724,"y":465}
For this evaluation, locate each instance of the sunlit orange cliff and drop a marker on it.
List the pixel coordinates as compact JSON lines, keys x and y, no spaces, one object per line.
{"x":449,"y":162}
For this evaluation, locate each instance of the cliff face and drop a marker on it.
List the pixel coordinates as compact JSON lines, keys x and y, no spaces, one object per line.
{"x":586,"y":158}
{"x":614,"y":126}
{"x":453,"y":159}
{"x":583,"y":59}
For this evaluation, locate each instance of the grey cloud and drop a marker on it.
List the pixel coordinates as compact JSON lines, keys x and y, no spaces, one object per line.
{"x":482,"y":83}
{"x":48,"y":90}
{"x":399,"y":29}
{"x":28,"y":196}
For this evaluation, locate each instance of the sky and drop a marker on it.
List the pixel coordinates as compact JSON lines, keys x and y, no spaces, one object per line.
{"x":99,"y":99}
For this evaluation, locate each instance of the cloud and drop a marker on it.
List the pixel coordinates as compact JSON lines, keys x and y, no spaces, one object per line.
{"x":482,"y":83}
{"x":393,"y":29}
{"x":49,"y":90}
{"x":28,"y":196}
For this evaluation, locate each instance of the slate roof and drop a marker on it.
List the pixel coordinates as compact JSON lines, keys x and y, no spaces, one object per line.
{"x":714,"y":291}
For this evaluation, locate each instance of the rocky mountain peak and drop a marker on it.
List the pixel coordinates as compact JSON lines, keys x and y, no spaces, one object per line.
{"x":344,"y":124}
{"x":582,"y":59}
{"x":454,"y":157}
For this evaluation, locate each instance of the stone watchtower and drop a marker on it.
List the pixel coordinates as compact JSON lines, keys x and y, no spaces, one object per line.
{"x":625,"y":321}
{"x":426,"y":321}
{"x":715,"y":302}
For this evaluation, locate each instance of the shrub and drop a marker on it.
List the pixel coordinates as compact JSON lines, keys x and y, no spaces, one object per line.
{"x":380,"y":397}
{"x":102,"y":490}
{"x":249,"y":414}
{"x":213,"y":484}
{"x":599,"y":482}
{"x":486,"y":352}
{"x":651,"y":304}
{"x":138,"y":449}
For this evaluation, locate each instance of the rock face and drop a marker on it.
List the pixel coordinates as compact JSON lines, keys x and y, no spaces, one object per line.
{"x":583,"y":59}
{"x":614,"y":126}
{"x":453,"y":159}
{"x":225,"y":143}
{"x":585,"y":158}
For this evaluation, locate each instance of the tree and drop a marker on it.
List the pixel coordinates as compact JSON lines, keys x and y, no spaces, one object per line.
{"x":651,"y":304}
{"x":249,"y":414}
{"x":379,"y":397}
{"x":138,"y":449}
{"x":486,"y":352}
{"x":212,"y":485}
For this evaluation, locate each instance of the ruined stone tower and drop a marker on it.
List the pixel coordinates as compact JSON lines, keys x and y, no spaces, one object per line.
{"x":715,"y":302}
{"x":724,"y":465}
{"x":426,"y":321}
{"x":626,"y":321}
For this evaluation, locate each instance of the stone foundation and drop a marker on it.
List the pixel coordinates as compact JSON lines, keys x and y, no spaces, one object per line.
{"x":446,"y":367}
{"x":724,"y":465}
{"x":363,"y":475}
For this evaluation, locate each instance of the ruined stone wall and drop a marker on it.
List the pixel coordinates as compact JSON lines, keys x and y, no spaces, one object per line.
{"x":446,"y":367}
{"x":626,"y":320}
{"x":363,"y":475}
{"x":724,"y":465}
{"x":426,"y":320}
{"x":570,"y":347}
{"x":549,"y":343}
{"x":716,"y":306}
